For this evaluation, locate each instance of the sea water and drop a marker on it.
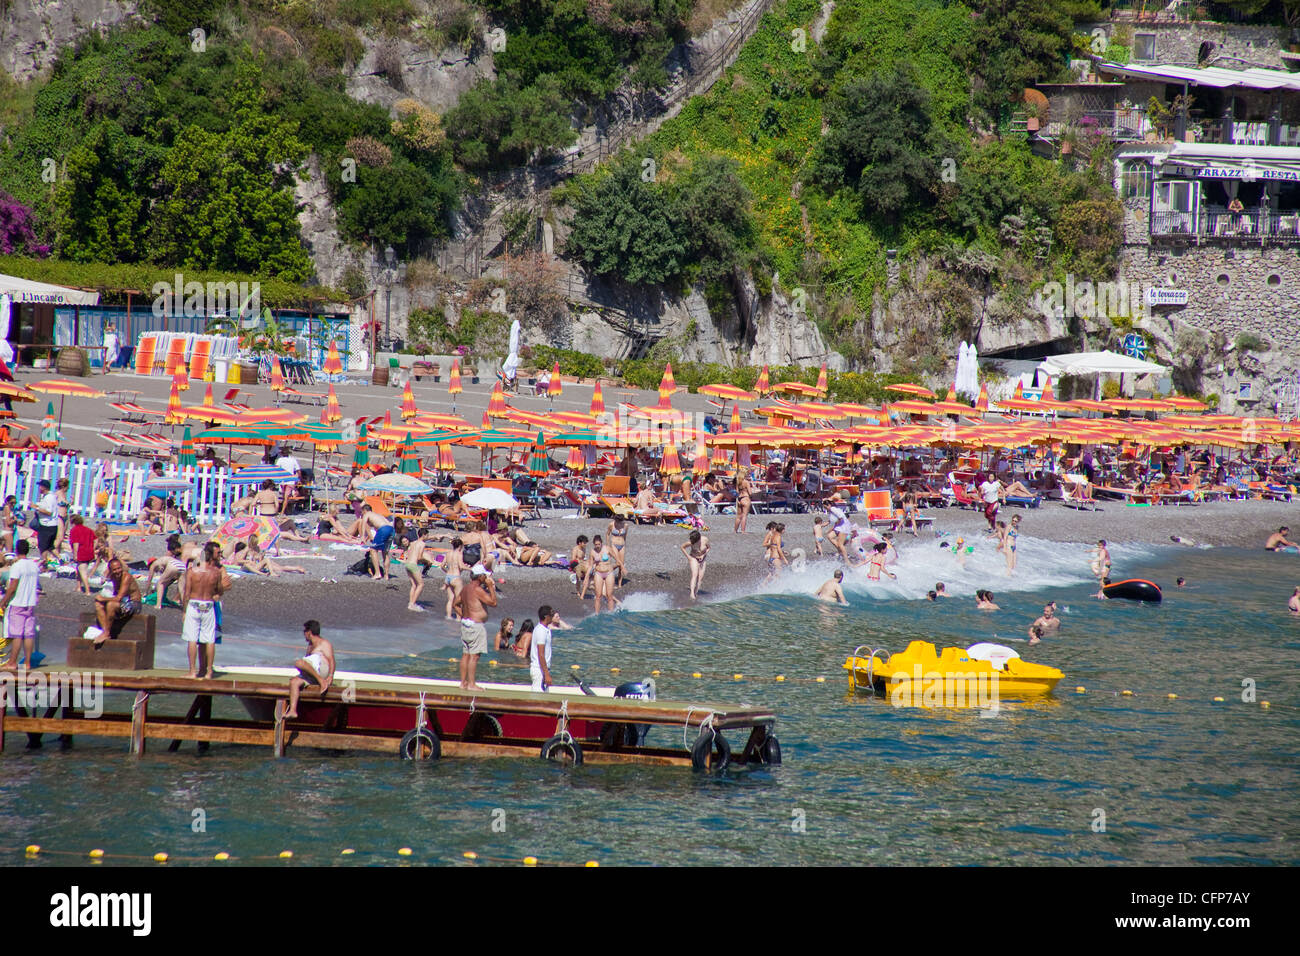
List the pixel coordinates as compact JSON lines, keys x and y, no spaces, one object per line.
{"x":1092,"y":777}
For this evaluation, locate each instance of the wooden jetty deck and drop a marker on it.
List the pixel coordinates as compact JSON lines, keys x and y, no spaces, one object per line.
{"x":411,"y":716}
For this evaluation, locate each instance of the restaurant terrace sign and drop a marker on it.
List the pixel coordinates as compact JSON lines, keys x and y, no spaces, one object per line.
{"x":1157,"y":295}
{"x":1250,"y":173}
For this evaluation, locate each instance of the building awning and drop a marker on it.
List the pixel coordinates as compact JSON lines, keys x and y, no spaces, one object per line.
{"x":1255,"y":78}
{"x":1229,"y":161}
{"x":27,"y":290}
{"x":1091,"y":363}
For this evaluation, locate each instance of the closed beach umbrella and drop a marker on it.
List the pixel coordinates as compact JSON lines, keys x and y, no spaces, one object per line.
{"x":576,"y":461}
{"x":187,"y":458}
{"x":408,"y":402}
{"x":453,"y":382}
{"x":763,"y":385}
{"x":408,"y":460}
{"x":49,"y":430}
{"x":207,"y":396}
{"x":539,"y":466}
{"x":667,"y":385}
{"x":332,"y":411}
{"x":175,"y":413}
{"x":597,"y":401}
{"x":701,"y":465}
{"x":1048,"y":394}
{"x":361,"y":456}
{"x":181,"y":377}
{"x":497,"y":403}
{"x":446,"y":458}
{"x":821,"y":381}
{"x":554,"y":387}
{"x":277,"y":375}
{"x":982,"y":403}
{"x":670,"y":464}
{"x":719,"y":459}
{"x":734,"y":426}
{"x":333,"y":364}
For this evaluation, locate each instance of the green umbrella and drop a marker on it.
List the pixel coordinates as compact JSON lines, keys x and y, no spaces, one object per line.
{"x":539,"y":465}
{"x":361,"y":457}
{"x":187,"y":458}
{"x":235,"y":435}
{"x":408,"y":460}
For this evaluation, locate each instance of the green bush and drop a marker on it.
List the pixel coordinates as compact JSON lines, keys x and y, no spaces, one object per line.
{"x":577,"y":364}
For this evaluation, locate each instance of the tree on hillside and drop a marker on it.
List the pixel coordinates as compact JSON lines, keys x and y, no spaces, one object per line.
{"x":102,"y":202}
{"x":880,"y":144}
{"x":627,"y":229}
{"x":1014,"y":44}
{"x":227,"y":199}
{"x":713,"y":207}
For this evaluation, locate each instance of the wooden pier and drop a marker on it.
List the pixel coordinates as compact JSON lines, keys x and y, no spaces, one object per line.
{"x":412,"y":717}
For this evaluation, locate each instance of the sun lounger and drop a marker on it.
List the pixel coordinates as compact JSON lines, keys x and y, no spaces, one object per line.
{"x":1024,"y":502}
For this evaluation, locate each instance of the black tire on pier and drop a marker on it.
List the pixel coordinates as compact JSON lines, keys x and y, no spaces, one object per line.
{"x":562,"y":749}
{"x":422,"y":744}
{"x":706,"y":743}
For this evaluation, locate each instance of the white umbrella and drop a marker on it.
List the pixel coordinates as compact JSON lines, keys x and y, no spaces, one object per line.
{"x":6,"y":351}
{"x":396,"y":484}
{"x":511,"y":366}
{"x":168,"y":484}
{"x":491,"y":499}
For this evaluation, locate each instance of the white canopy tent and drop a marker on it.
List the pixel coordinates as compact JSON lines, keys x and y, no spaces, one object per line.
{"x":28,"y":290}
{"x":1092,"y":363}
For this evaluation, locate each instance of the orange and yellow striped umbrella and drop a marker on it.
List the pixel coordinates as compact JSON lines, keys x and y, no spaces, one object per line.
{"x":576,"y":461}
{"x":332,"y":411}
{"x":281,"y":416}
{"x":555,"y":386}
{"x":207,"y":396}
{"x":213,"y":414}
{"x":1020,"y":390}
{"x":453,"y":378}
{"x":907,"y":388}
{"x":821,"y":381}
{"x":667,"y":386}
{"x":497,"y":402}
{"x":796,"y":388}
{"x":982,"y":403}
{"x":763,"y":385}
{"x":333,"y":363}
{"x":62,"y":386}
{"x":597,"y":400}
{"x":1088,"y":405}
{"x":181,"y":377}
{"x":1048,"y":394}
{"x":1183,"y":403}
{"x":409,"y":410}
{"x":277,"y":375}
{"x":732,"y":392}
{"x":175,"y":413}
{"x":670,"y":464}
{"x":441,"y":420}
{"x":446,"y":458}
{"x":701,"y":465}
{"x":719,"y":459}
{"x":734,"y":425}
{"x":952,"y":393}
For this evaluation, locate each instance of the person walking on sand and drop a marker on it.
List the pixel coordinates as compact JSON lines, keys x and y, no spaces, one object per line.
{"x":413,"y":561}
{"x":1101,"y":563}
{"x":991,"y":491}
{"x":19,"y":606}
{"x":697,"y":552}
{"x":453,"y":580}
{"x":474,"y":600}
{"x":201,"y":587}
{"x":112,"y":346}
{"x":744,"y":500}
{"x":316,"y":669}
{"x":832,"y":589}
{"x":601,"y":573}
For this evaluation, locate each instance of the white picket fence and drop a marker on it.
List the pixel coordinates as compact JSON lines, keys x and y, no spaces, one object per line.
{"x":208,"y":502}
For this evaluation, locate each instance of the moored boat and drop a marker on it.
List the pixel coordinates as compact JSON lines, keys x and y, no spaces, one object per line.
{"x":978,"y":676}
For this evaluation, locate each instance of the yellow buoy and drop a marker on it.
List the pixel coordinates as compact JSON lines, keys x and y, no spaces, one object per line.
{"x":470,"y":855}
{"x":286,"y":854}
{"x":1126,"y":693}
{"x":404,"y":851}
{"x":1172,"y":696}
{"x":613,"y":670}
{"x":492,"y":663}
{"x":574,"y":667}
{"x":160,"y":857}
{"x":1081,"y":689}
{"x":451,"y":660}
{"x":348,"y":852}
{"x":737,"y":676}
{"x":222,"y":857}
{"x":821,"y":680}
{"x":1264,"y":704}
{"x":654,"y":673}
{"x":780,"y":677}
{"x":697,"y":674}
{"x":1218,"y":700}
{"x":530,"y":861}
{"x":34,"y":848}
{"x":591,"y":863}
{"x":96,"y":854}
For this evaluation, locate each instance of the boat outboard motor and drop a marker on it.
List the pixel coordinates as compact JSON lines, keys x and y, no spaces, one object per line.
{"x":637,"y":690}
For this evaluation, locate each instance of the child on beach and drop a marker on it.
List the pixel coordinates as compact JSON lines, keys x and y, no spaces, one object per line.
{"x":878,"y":563}
{"x":819,"y":535}
{"x":697,"y":551}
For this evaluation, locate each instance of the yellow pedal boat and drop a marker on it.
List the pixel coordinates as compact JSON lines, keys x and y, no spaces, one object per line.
{"x":977,"y":676}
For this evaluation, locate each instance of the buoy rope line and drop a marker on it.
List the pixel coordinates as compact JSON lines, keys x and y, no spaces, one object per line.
{"x":95,"y":856}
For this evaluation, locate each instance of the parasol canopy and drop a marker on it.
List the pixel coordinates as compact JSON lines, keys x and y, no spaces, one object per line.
{"x":490,"y":499}
{"x":597,"y":400}
{"x":907,"y":388}
{"x":256,"y":474}
{"x":395,"y":484}
{"x":168,"y":483}
{"x":245,"y":527}
{"x":187,"y":458}
{"x":333,"y":364}
{"x":732,"y":392}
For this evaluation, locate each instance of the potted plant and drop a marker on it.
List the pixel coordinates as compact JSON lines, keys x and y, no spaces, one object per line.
{"x":1035,"y":114}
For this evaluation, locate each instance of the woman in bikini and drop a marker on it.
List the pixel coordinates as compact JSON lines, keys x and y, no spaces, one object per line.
{"x":616,"y":534}
{"x":696,"y":550}
{"x":744,"y":499}
{"x":505,"y":635}
{"x":452,"y":579}
{"x":878,"y":563}
{"x":1010,"y":543}
{"x":602,"y":573}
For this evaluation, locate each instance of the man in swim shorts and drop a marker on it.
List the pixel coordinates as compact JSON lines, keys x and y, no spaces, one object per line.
{"x":202,"y":585}
{"x":114,"y":610}
{"x":1278,"y":539}
{"x":317,"y":668}
{"x":831,"y":590}
{"x":1048,"y":622}
{"x":379,"y":545}
{"x":472,"y":604}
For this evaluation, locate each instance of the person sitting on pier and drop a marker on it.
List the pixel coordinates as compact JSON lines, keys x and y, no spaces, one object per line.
{"x":316,"y":669}
{"x":113,"y":610}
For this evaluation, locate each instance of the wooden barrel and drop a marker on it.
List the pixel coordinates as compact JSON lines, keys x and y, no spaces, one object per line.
{"x":380,"y":375}
{"x":247,"y":373}
{"x":71,"y":361}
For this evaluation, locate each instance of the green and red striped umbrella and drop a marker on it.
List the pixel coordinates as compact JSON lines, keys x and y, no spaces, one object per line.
{"x":539,"y":465}
{"x":187,"y":458}
{"x":408,"y":459}
{"x":361,"y":456}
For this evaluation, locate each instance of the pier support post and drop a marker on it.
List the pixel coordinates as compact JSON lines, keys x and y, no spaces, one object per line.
{"x":139,"y":714}
{"x":280,"y":707}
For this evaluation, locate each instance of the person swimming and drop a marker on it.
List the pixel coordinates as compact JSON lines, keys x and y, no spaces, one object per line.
{"x":1279,"y":540}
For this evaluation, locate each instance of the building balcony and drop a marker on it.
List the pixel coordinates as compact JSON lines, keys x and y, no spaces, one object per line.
{"x":1218,"y":225}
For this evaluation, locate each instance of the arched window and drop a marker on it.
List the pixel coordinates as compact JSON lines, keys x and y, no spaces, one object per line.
{"x":1135,"y":179}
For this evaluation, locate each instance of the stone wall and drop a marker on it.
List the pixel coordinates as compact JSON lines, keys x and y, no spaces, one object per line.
{"x":33,"y":31}
{"x":1180,"y":43}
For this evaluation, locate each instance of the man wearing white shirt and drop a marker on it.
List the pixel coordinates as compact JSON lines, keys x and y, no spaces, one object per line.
{"x":19,"y":604}
{"x":112,"y":346}
{"x":47,"y":520}
{"x":539,"y":654}
{"x":991,"y":492}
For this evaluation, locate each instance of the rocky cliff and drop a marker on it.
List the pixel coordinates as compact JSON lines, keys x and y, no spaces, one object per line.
{"x":33,"y":31}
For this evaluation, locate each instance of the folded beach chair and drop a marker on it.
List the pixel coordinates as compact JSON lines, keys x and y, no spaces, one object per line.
{"x":614,"y":495}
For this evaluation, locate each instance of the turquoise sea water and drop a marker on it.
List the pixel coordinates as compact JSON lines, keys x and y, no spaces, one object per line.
{"x":1186,"y":781}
